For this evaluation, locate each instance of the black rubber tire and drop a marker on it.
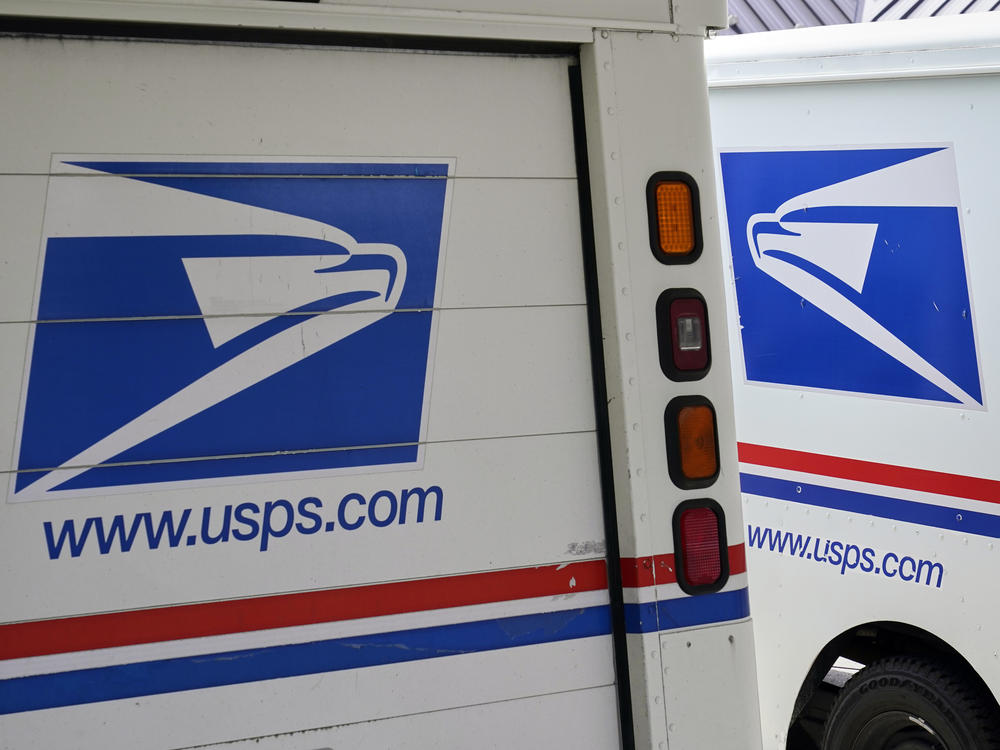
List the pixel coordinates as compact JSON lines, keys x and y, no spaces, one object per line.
{"x":911,"y":703}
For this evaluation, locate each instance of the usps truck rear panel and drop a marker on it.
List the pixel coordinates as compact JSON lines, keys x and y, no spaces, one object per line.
{"x":858,"y":187}
{"x":332,"y":371}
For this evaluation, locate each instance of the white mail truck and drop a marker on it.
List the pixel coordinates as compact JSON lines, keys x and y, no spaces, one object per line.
{"x":365,"y":379}
{"x":859,"y":173}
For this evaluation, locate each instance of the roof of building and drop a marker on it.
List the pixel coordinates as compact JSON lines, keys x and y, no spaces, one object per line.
{"x":770,"y":15}
{"x":892,"y":10}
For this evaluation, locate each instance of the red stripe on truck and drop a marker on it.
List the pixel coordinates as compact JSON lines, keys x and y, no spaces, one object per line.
{"x":113,"y":629}
{"x":922,"y":480}
{"x":648,"y":571}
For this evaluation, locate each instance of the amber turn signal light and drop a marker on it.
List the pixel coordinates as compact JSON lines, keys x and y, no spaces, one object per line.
{"x":692,"y":442}
{"x":674,"y":220}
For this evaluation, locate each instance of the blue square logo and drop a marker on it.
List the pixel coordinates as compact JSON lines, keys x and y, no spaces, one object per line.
{"x":851,"y":273}
{"x":210,"y":319}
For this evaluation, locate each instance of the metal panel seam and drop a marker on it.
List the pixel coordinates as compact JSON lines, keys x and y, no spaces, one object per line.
{"x":329,"y":17}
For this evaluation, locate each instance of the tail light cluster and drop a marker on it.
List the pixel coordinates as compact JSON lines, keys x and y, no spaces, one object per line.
{"x":699,"y":527}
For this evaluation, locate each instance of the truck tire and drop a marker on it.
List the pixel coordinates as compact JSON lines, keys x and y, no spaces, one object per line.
{"x":911,"y":703}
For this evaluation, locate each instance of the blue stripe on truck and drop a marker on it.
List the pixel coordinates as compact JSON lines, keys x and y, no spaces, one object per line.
{"x":687,"y":611}
{"x":893,"y":508}
{"x":234,"y":667}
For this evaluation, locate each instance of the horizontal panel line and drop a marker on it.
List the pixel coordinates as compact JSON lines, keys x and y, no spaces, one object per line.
{"x":238,"y":176}
{"x":302,"y":451}
{"x":410,"y":715}
{"x":290,"y":314}
{"x":181,"y":175}
{"x":881,"y":74}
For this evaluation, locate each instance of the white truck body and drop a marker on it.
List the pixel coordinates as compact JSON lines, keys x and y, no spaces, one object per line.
{"x":300,"y":436}
{"x":858,"y":168}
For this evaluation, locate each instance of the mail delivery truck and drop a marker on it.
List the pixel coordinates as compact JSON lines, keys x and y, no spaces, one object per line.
{"x":365,"y":379}
{"x":860,"y":181}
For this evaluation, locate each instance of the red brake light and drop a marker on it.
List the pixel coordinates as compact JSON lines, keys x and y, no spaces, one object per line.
{"x":700,"y":546}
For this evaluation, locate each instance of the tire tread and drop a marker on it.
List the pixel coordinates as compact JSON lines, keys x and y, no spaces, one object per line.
{"x":951,"y":693}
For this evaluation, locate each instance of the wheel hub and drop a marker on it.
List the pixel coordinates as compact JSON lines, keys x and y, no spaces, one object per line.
{"x":898,"y":730}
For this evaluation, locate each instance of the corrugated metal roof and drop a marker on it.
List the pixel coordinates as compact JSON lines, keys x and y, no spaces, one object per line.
{"x":771,"y":15}
{"x":892,"y":10}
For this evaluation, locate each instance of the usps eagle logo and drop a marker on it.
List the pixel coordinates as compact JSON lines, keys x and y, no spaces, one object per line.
{"x":210,"y":319}
{"x":850,"y":272}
